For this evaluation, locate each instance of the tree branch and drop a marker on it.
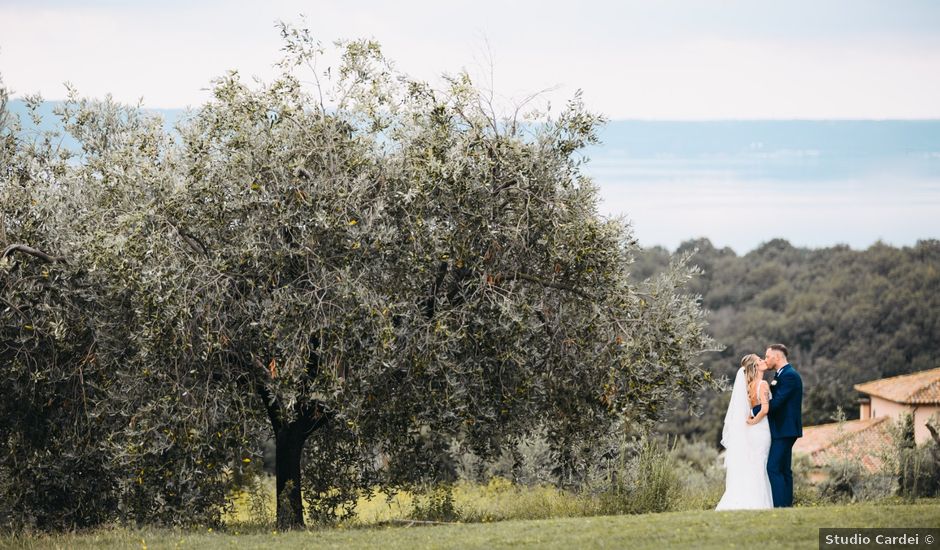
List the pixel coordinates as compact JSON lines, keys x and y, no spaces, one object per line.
{"x":933,"y":433}
{"x":270,"y":405}
{"x":32,"y":252}
{"x":314,"y":418}
{"x":550,"y":284}
{"x":193,"y":241}
{"x":430,"y":303}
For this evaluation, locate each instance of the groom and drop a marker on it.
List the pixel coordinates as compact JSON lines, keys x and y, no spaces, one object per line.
{"x":786,"y":423}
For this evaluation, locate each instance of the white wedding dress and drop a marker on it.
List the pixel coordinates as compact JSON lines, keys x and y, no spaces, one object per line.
{"x":746,"y":448}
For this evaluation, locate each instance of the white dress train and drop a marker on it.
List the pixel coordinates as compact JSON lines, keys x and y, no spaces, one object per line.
{"x":746,"y":449}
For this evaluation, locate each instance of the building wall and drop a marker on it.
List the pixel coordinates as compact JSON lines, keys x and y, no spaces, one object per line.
{"x":922,"y":413}
{"x":921,"y":416}
{"x":883,"y":407}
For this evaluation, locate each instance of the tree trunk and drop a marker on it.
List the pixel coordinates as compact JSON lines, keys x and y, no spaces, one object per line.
{"x":289,"y":442}
{"x":289,"y":439}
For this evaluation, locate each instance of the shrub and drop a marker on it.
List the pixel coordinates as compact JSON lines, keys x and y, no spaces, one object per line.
{"x":919,"y":471}
{"x":701,"y":475}
{"x":537,"y":461}
{"x":436,"y":503}
{"x":916,"y":468}
{"x":843,"y":480}
{"x":648,"y":482}
{"x":656,"y":485}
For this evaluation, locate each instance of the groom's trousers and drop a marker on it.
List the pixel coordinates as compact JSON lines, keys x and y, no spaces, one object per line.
{"x":780,"y":472}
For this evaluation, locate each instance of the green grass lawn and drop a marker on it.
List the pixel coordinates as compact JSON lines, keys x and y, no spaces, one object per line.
{"x":791,"y":528}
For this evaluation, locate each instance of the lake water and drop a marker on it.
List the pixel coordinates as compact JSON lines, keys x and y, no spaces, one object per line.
{"x":814,"y":183}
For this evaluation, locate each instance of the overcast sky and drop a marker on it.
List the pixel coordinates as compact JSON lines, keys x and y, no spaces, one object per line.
{"x":633,"y":59}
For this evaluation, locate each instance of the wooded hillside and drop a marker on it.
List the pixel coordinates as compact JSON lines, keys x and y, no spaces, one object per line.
{"x":848,"y":316}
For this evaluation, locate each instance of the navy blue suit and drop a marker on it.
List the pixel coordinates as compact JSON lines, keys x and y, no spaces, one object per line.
{"x":786,"y":425}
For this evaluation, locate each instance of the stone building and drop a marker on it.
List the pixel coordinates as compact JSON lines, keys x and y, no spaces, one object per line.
{"x":868,"y":438}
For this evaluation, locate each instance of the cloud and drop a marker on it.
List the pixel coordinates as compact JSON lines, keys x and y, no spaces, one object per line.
{"x":677,"y":60}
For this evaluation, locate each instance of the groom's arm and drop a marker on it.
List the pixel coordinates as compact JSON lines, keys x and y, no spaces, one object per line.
{"x":764,"y":406}
{"x":787,"y":388}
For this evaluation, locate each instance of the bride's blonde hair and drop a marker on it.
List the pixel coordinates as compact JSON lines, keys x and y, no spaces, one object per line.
{"x":749,"y":362}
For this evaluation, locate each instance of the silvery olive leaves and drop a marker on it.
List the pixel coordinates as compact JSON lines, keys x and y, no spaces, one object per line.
{"x":367,"y":265}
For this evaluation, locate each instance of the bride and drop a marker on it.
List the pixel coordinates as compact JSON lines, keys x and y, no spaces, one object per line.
{"x":746,"y":439}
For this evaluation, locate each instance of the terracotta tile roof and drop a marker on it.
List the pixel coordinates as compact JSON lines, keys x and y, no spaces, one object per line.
{"x":915,"y":389}
{"x":862,"y":440}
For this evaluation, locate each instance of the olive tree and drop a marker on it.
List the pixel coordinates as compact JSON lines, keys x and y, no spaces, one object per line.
{"x":388,"y":260}
{"x":102,"y":419}
{"x":370,"y":267}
